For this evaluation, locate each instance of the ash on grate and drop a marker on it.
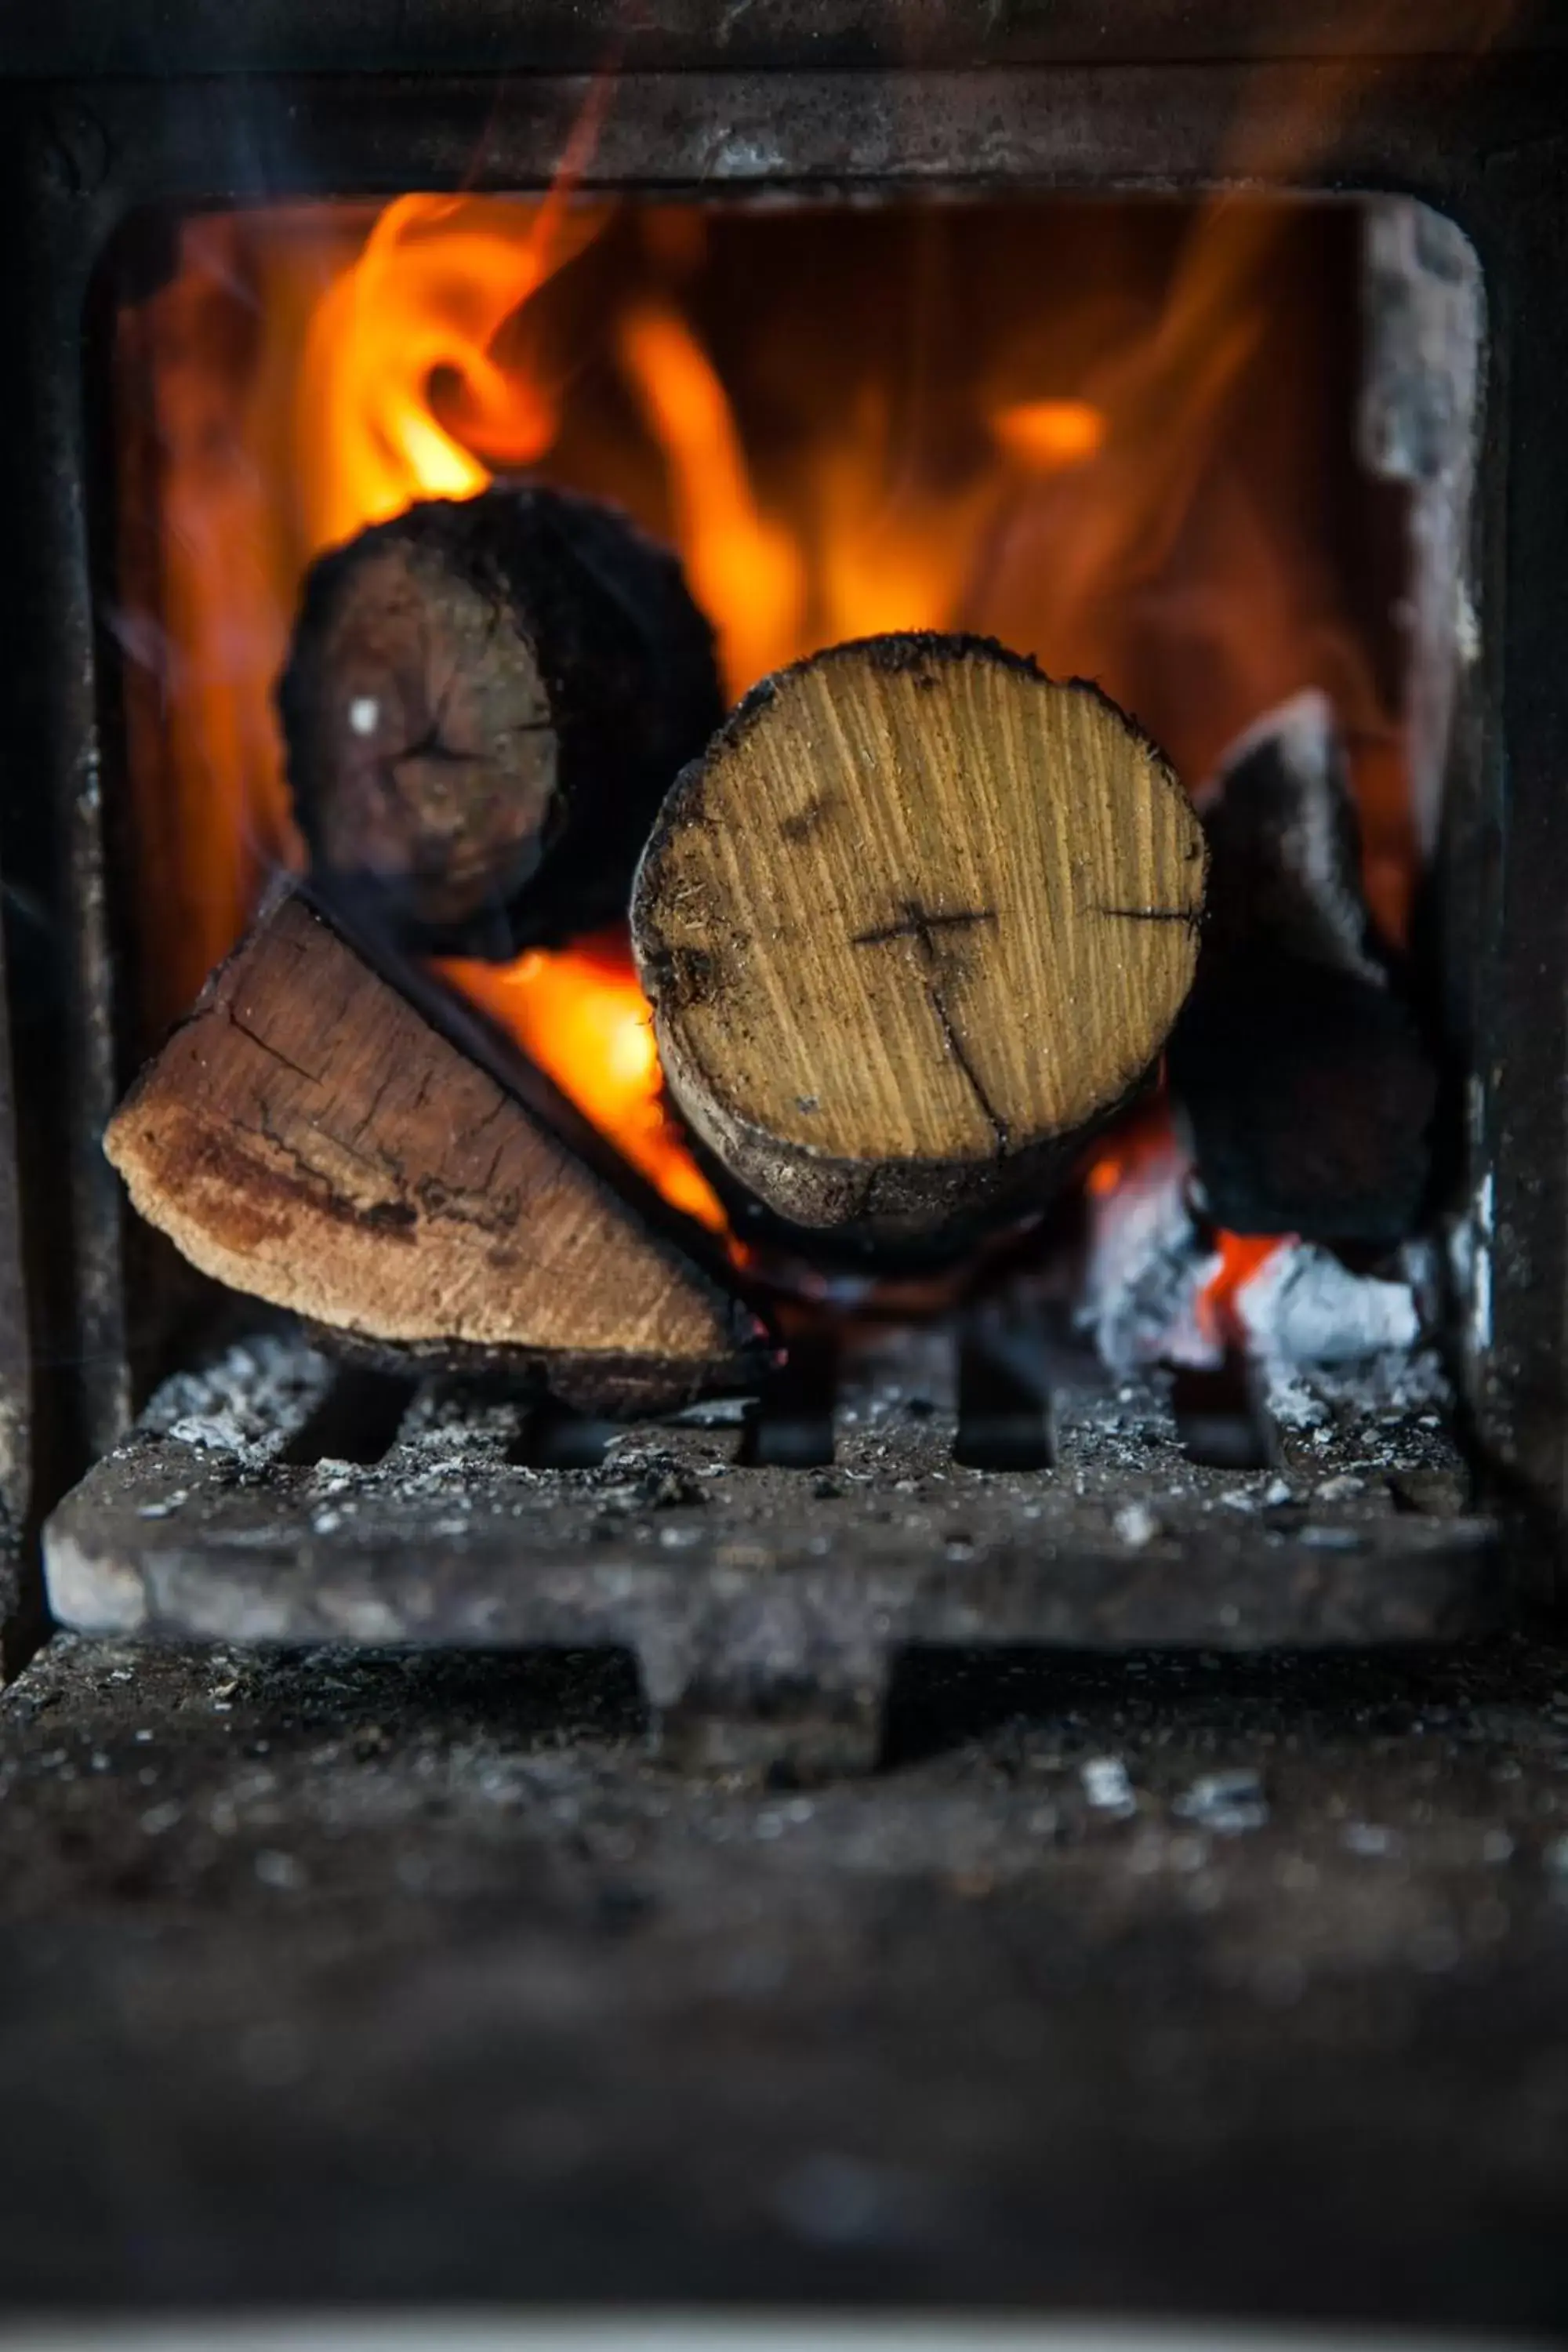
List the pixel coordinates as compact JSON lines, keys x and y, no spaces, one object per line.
{"x":247,"y":1402}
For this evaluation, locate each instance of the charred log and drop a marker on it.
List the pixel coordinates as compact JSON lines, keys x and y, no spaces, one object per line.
{"x":1299,"y":1069}
{"x":484,"y":705}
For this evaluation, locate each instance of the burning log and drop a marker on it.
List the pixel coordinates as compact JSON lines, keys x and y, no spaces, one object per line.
{"x":484,"y":705}
{"x":307,"y":1137}
{"x":915,"y":925}
{"x":1300,"y":1072}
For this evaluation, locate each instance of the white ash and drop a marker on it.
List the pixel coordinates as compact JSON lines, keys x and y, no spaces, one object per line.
{"x":1319,"y":1333}
{"x":1106,"y":1785}
{"x":1148,"y":1266}
{"x":447,"y":1430}
{"x":1225,"y":1802}
{"x":248,"y":1402}
{"x":1134,"y":1525}
{"x":1369,"y":1840}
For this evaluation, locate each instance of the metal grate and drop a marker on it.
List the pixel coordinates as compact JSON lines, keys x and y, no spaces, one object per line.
{"x":766,"y":1562}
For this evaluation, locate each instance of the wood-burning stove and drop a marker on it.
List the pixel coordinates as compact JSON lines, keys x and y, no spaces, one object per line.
{"x":765,"y":1574}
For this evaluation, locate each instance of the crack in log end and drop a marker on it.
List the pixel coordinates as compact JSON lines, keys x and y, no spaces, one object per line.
{"x":265,"y":1045}
{"x":1191,"y":915}
{"x":977,"y":814}
{"x":954,"y":1044}
{"x":394,"y":1215}
{"x":916,"y":923}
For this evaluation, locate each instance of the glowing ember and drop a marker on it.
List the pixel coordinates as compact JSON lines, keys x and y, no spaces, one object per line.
{"x":579,"y":1013}
{"x":1240,"y":1256}
{"x":1136,"y":1145}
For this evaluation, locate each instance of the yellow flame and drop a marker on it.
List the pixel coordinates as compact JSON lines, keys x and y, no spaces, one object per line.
{"x":438,"y":279}
{"x":747,"y":572}
{"x":580,"y":1014}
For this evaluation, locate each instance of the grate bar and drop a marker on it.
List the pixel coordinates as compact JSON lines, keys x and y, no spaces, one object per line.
{"x":765,"y":1606}
{"x":1003,"y":1397}
{"x":790,"y":1426}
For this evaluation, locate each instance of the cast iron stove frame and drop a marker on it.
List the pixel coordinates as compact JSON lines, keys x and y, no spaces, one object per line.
{"x":736,"y":101}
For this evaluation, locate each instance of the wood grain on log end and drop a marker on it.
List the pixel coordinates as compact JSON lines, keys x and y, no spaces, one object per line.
{"x":308,"y":1138}
{"x":916,"y":922}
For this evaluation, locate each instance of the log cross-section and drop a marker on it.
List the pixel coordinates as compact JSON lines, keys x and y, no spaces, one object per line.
{"x":485,"y":701}
{"x":307,"y":1137}
{"x":917,"y":921}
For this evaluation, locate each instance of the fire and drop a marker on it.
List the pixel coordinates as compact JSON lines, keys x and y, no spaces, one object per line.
{"x":1240,"y":1256}
{"x":1046,"y":434}
{"x":421,"y":309}
{"x":1062,"y":461}
{"x":746,"y":573}
{"x":1140,"y":1143}
{"x":579,"y":1013}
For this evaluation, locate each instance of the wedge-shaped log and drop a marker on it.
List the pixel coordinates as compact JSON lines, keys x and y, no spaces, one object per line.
{"x":913,"y":926}
{"x":485,"y":702}
{"x":306,"y":1135}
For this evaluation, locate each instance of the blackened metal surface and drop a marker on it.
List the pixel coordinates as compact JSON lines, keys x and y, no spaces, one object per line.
{"x":20,"y":1594}
{"x":1189,"y":1989}
{"x":1522,"y":1061}
{"x":52,"y":835}
{"x":1431,"y":126}
{"x":98,"y":36}
{"x":766,"y":1605}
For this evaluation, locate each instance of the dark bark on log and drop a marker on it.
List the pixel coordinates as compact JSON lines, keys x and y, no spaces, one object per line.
{"x":484,"y":705}
{"x":1298,"y":1066}
{"x":307,"y":1137}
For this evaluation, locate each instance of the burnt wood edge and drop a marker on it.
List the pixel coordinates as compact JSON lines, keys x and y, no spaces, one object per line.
{"x":618,"y":1383}
{"x":557,"y":568}
{"x":855,"y":1211}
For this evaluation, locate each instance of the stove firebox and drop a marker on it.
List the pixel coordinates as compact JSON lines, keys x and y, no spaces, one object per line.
{"x":958,"y":1483}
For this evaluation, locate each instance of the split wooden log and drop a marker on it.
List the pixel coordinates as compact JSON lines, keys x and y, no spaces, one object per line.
{"x":1298,"y":1067}
{"x":484,"y":705}
{"x":916,"y":924}
{"x":309,"y":1137}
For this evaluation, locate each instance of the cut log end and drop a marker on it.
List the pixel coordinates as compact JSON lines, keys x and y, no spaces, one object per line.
{"x":484,"y":703}
{"x":916,"y":924}
{"x":423,"y":747}
{"x":307,"y":1137}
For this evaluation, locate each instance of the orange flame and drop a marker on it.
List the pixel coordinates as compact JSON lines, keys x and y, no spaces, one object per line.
{"x":1083,"y":497}
{"x":579,"y":1013}
{"x":1240,"y":1256}
{"x":746,"y":573}
{"x":1144,"y":1136}
{"x":1045,"y":434}
{"x":438,"y":277}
